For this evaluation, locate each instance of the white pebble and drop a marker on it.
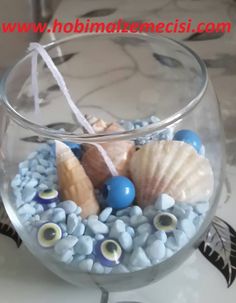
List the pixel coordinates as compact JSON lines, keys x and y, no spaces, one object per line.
{"x":97,"y":268}
{"x":84,"y":245}
{"x":65,"y":244}
{"x":97,"y":227}
{"x":161,"y":235}
{"x":72,"y":222}
{"x":111,"y":219}
{"x":125,"y":241}
{"x":139,"y":259}
{"x":63,"y":227}
{"x":86,"y":265}
{"x":140,"y":240}
{"x":42,"y":187}
{"x":117,"y":227}
{"x":80,"y":229}
{"x":32,"y":155}
{"x":135,"y":211}
{"x":169,"y":253}
{"x":125,"y":219}
{"x":99,"y":237}
{"x":164,"y":202}
{"x":105,"y":214}
{"x":156,"y":251}
{"x":39,"y":208}
{"x":188,"y":227}
{"x":202,"y":207}
{"x":52,"y":205}
{"x":144,"y":228}
{"x":138,"y":220}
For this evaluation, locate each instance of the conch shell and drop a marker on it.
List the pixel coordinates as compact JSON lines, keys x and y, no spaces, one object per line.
{"x":170,"y":167}
{"x":74,"y":183}
{"x":118,"y":151}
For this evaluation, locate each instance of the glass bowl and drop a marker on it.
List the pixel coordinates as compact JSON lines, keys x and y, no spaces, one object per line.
{"x":167,"y":131}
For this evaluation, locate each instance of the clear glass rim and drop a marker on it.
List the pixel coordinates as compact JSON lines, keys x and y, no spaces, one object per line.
{"x":101,"y":137}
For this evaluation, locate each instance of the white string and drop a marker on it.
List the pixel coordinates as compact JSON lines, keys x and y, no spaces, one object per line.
{"x":36,"y":49}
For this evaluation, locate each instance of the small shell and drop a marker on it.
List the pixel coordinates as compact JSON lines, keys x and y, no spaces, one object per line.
{"x":170,"y":167}
{"x":73,"y":182}
{"x":98,"y":125}
{"x":118,"y":151}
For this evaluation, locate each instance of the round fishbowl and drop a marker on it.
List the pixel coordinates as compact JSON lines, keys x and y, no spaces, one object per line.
{"x":122,"y":205}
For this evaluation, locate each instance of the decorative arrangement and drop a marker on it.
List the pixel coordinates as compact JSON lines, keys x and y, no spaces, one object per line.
{"x":115,"y":224}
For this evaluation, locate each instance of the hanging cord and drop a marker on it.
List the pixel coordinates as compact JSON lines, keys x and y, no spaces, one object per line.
{"x":36,"y":49}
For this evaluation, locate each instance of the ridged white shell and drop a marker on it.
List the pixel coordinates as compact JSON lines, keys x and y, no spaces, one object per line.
{"x":170,"y":167}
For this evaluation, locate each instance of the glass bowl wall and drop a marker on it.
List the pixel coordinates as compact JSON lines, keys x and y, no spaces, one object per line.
{"x":115,"y":77}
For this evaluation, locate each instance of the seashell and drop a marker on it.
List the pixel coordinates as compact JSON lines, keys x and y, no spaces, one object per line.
{"x":98,"y":125}
{"x":74,"y":183}
{"x":118,"y":151}
{"x":171,"y":167}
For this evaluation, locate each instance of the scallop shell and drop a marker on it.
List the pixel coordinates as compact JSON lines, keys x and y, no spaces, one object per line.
{"x":118,"y":151}
{"x":170,"y":167}
{"x":74,"y":184}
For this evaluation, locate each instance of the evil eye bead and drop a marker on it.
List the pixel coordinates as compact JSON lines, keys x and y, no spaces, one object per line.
{"x":49,"y":234}
{"x":118,"y":192}
{"x":165,"y":222}
{"x":189,"y":137}
{"x":109,"y":252}
{"x":47,"y":196}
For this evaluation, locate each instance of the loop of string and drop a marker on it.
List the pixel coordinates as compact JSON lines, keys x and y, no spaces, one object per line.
{"x":36,"y":49}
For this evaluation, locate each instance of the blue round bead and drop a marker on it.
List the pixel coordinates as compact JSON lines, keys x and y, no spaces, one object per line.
{"x":76,"y":148}
{"x":189,"y":137}
{"x":118,"y":192}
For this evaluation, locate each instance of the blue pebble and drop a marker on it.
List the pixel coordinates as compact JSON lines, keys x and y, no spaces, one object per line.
{"x":42,"y":187}
{"x":40,"y":169}
{"x":39,"y":208}
{"x":139,"y":259}
{"x":72,"y":222}
{"x":58,"y":215}
{"x":188,"y":227}
{"x":198,"y":221}
{"x":138,"y":220}
{"x":125,"y":219}
{"x":80,"y":229}
{"x":128,"y":125}
{"x":28,"y":194}
{"x":26,"y":209}
{"x":123,"y":212}
{"x":130,"y":230}
{"x":180,"y":237}
{"x":189,"y":137}
{"x":46,"y":215}
{"x":99,"y":237}
{"x":150,"y":212}
{"x":16,"y":181}
{"x":78,"y":258}
{"x":140,"y":241}
{"x":161,"y":235}
{"x":156,"y":251}
{"x":105,"y":214}
{"x":118,"y":192}
{"x":111,"y":219}
{"x":178,"y":211}
{"x":119,"y":269}
{"x":98,"y":268}
{"x":86,"y":265}
{"x":84,"y":245}
{"x":65,"y":244}
{"x":125,"y":241}
{"x":97,"y":227}
{"x":67,"y":257}
{"x":144,"y":228}
{"x":117,"y":228}
{"x":135,"y":211}
{"x":63,"y":227}
{"x":164,"y":202}
{"x":201,"y":207}
{"x":172,"y":244}
{"x":68,"y":206}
